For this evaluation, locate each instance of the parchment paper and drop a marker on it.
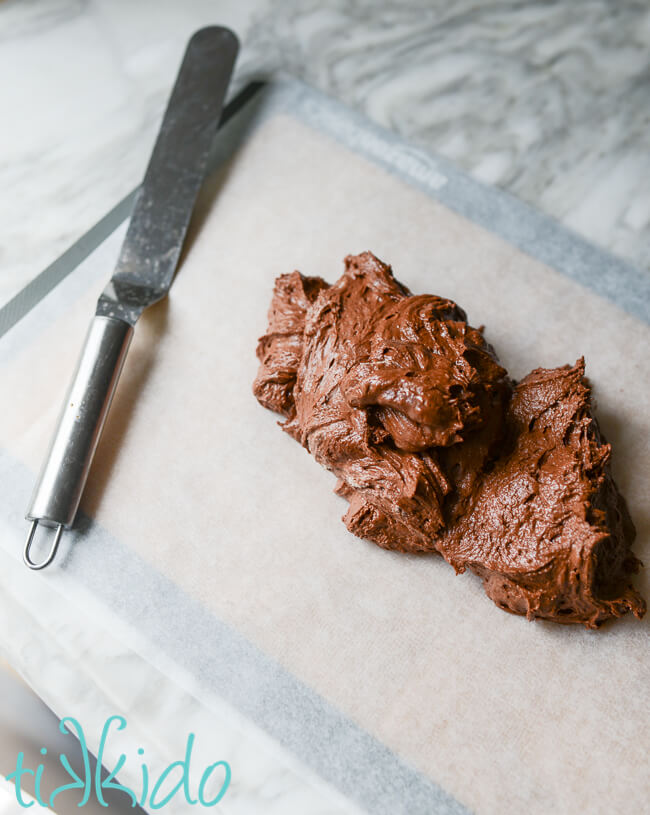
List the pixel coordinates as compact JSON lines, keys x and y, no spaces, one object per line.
{"x":194,"y":482}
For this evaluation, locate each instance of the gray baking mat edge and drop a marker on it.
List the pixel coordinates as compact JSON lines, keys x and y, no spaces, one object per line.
{"x":226,"y":663}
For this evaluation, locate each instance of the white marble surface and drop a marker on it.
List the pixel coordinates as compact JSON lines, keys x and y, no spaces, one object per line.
{"x":550,"y":101}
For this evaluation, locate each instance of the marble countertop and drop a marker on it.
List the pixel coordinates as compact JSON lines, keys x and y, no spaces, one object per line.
{"x":549,"y":101}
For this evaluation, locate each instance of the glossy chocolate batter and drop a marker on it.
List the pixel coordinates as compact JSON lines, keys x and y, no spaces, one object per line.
{"x":437,"y":450}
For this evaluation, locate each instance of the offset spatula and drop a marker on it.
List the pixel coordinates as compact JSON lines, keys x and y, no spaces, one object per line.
{"x":143,"y":275}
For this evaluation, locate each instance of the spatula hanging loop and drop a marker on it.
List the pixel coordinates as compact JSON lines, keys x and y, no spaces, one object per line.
{"x":51,"y":554}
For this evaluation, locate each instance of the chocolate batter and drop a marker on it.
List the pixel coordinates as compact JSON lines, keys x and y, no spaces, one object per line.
{"x":437,"y":450}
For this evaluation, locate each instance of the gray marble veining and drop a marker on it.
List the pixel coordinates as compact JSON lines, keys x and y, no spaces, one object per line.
{"x":548,"y":100}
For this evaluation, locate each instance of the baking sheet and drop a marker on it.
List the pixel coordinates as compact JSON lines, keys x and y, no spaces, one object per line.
{"x":212,"y":536}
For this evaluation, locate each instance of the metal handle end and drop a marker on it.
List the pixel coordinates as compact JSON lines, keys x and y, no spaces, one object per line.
{"x":30,"y":540}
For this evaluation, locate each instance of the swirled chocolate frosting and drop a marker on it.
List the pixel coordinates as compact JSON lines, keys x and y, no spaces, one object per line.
{"x":437,"y":450}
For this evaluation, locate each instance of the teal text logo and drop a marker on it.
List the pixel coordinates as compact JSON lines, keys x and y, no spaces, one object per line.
{"x":153,"y":794}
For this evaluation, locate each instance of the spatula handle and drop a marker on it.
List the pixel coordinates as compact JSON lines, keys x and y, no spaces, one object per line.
{"x":58,"y":491}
